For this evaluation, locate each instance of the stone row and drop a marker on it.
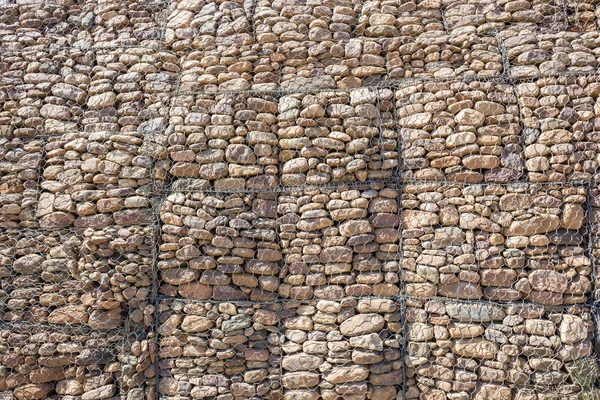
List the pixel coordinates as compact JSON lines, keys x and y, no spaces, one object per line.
{"x":47,"y":92}
{"x":46,"y":362}
{"x":311,"y":350}
{"x":463,"y":350}
{"x":100,"y":279}
{"x":236,"y":142}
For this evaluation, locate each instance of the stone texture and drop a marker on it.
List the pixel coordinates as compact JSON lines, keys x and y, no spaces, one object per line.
{"x":339,"y":242}
{"x":277,"y":21}
{"x":95,"y":278}
{"x":459,"y":131}
{"x":490,"y":17}
{"x":386,"y":19}
{"x":559,"y":117}
{"x":345,"y":347}
{"x":191,"y":24}
{"x":349,"y":64}
{"x":336,"y":136}
{"x":40,"y":363}
{"x":496,"y":242}
{"x":534,"y":54}
{"x":477,"y":358}
{"x":20,"y":162}
{"x":239,"y":356}
{"x":98,"y":179}
{"x":223,"y":247}
{"x":229,"y":67}
{"x":227,"y":142}
{"x":434,"y":54}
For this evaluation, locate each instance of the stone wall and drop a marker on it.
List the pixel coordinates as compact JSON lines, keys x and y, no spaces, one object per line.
{"x":299,"y":199}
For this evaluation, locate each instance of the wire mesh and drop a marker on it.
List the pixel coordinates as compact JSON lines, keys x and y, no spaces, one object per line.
{"x":298,"y":200}
{"x":489,"y":350}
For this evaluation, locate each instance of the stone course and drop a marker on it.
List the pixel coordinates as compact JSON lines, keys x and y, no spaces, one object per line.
{"x":339,"y":242}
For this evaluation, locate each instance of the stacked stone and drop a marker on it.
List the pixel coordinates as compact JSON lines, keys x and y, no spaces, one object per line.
{"x":219,"y":350}
{"x":128,"y":87}
{"x":45,"y":363}
{"x":313,"y":65}
{"x":438,"y":55}
{"x":582,"y":15}
{"x":224,"y":142}
{"x":349,"y":348}
{"x":594,"y":218}
{"x":280,"y":21}
{"x":390,"y":19}
{"x":193,"y":23}
{"x":497,"y":242}
{"x":459,"y":131}
{"x":337,"y":136}
{"x":229,"y":68}
{"x":93,"y":279}
{"x":137,"y":356}
{"x":339,"y":242}
{"x":532,"y":54}
{"x":490,"y":16}
{"x":20,"y":162}
{"x":126,"y":23}
{"x":461,"y":350}
{"x":8,"y":238}
{"x":48,"y":23}
{"x":219,"y":246}
{"x":95,"y":180}
{"x":559,"y":116}
{"x":43,"y":90}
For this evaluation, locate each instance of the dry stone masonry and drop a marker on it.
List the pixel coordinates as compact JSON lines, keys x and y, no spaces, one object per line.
{"x":299,"y":199}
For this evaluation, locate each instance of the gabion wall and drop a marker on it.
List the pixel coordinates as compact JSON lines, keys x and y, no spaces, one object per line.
{"x":299,"y":199}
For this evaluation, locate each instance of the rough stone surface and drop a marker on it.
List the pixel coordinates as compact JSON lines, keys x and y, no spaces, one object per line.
{"x":344,"y":347}
{"x":496,"y":242}
{"x":223,"y":247}
{"x":239,"y":355}
{"x":93,"y":279}
{"x":227,"y":142}
{"x":459,"y":131}
{"x":559,"y":117}
{"x":473,"y":355}
{"x":339,"y":242}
